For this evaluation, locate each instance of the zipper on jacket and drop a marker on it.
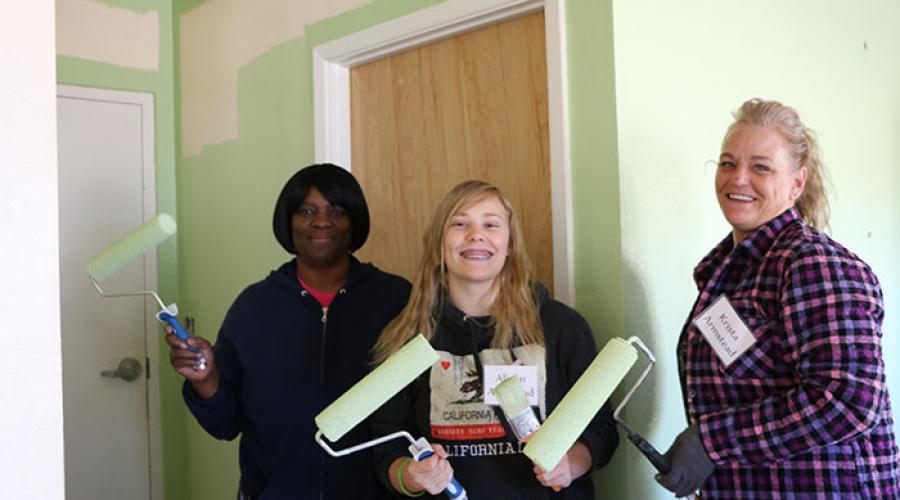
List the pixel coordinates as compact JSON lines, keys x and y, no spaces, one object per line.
{"x":322,"y":384}
{"x":305,"y":294}
{"x":322,"y":350}
{"x":342,"y":291}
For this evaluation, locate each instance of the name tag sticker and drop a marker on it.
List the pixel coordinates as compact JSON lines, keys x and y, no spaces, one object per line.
{"x":724,"y":330}
{"x":494,"y":374}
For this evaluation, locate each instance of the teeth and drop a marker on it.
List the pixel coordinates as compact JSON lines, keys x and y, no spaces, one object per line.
{"x":740,"y":197}
{"x":476,"y":255}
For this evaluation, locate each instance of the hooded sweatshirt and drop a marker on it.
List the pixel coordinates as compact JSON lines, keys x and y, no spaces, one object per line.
{"x":282,"y":358}
{"x":445,"y":404}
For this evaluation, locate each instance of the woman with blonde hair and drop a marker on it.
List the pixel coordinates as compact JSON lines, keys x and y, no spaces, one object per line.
{"x":475,"y":300}
{"x":792,"y":403}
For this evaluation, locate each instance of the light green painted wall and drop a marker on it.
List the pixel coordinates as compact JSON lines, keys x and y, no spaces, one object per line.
{"x":599,"y":277}
{"x":77,"y":71}
{"x":681,"y":67}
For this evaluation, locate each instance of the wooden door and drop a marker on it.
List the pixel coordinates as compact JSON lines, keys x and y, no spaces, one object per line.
{"x":105,"y":192}
{"x":473,"y":106}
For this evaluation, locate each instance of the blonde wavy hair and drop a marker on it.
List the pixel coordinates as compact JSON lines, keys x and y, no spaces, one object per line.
{"x":804,"y":149}
{"x":514,"y":311}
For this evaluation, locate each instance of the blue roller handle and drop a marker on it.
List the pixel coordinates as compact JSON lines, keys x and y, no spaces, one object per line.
{"x":453,"y":490}
{"x":178,"y":330}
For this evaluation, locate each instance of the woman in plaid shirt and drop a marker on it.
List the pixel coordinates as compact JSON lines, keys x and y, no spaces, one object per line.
{"x":804,"y":411}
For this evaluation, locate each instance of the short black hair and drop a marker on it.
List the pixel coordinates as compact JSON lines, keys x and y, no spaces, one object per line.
{"x":338,"y":186}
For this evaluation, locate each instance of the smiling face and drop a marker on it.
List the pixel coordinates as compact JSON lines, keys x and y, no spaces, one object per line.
{"x":321,"y":232}
{"x":476,"y":243}
{"x":756,"y":179}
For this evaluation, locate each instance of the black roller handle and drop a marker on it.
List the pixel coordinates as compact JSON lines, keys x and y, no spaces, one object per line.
{"x":660,"y":462}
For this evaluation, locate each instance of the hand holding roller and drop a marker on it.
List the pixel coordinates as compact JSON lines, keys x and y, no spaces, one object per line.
{"x":521,"y":418}
{"x":169,"y":316}
{"x":420,"y":449}
{"x":120,"y":253}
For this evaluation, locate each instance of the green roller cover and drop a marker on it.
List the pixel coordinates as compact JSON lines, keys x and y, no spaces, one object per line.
{"x":139,"y":242}
{"x":569,"y":419}
{"x":376,"y":388}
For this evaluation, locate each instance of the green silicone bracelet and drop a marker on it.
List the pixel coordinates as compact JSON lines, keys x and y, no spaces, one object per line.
{"x":402,"y":487}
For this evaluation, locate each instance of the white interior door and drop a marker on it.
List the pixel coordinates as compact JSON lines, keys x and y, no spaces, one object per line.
{"x":106,"y":190}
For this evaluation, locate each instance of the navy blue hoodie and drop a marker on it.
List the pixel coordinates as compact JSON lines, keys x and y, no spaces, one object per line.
{"x":281,"y":361}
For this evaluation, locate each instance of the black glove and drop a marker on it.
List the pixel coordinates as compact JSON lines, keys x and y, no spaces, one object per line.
{"x":690,"y":464}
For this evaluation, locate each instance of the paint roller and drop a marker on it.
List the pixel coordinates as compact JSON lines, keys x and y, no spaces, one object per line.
{"x":386,"y":380}
{"x":569,"y":419}
{"x":120,"y":253}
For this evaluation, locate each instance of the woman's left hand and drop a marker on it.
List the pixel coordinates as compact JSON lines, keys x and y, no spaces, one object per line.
{"x":573,"y":465}
{"x":690,"y":464}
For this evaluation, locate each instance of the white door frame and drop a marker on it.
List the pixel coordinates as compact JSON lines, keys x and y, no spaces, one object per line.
{"x":331,"y":83}
{"x":145,"y":102}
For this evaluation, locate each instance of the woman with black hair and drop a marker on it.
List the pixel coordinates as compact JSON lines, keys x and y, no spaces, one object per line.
{"x":295,"y":341}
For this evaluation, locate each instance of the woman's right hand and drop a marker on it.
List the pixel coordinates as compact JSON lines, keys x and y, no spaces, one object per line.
{"x":432,"y":474}
{"x":203,"y":376}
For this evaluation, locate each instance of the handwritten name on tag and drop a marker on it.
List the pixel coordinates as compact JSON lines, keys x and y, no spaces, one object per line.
{"x":725,"y":331}
{"x":494,"y":374}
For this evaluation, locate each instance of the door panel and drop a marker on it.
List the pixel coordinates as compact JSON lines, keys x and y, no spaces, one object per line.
{"x":101,"y":199}
{"x":469,"y":107}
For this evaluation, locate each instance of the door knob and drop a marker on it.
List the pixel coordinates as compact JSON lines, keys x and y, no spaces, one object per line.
{"x":129,"y":369}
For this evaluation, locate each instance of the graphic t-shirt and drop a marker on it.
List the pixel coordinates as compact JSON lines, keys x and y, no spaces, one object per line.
{"x":458,"y":411}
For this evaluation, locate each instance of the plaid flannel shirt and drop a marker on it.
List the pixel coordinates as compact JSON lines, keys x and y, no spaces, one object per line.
{"x":804,"y":412}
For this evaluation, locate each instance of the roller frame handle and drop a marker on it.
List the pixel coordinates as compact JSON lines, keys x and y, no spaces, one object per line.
{"x":659,"y":462}
{"x":420,"y":450}
{"x":177,"y":328}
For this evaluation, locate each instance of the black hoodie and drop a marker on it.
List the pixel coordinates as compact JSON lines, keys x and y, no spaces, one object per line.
{"x":282,"y":361}
{"x":445,"y":404}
